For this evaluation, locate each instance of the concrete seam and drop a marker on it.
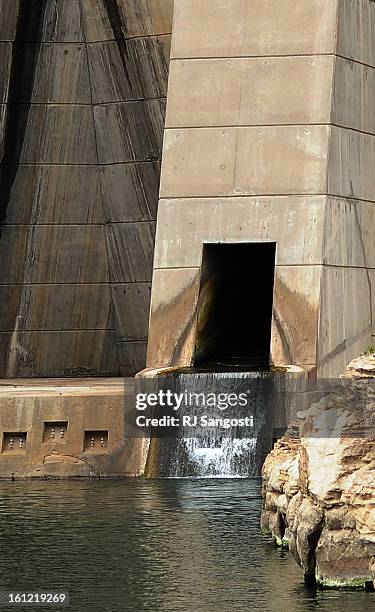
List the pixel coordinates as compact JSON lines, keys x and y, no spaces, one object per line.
{"x":268,"y":125}
{"x":265,"y":195}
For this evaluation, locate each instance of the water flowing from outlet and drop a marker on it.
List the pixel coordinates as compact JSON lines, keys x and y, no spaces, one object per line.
{"x":217,"y":450}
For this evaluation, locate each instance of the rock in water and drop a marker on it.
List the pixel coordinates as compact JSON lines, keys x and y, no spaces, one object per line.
{"x":319,"y":490}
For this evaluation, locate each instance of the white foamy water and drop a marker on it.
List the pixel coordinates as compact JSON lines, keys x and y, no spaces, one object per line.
{"x":219,"y":459}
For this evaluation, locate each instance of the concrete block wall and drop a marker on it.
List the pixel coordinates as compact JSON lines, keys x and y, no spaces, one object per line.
{"x":270,"y":137}
{"x":68,"y":428}
{"x":82,"y":94}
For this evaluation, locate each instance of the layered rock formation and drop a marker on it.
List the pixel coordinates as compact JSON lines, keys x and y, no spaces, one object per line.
{"x":319,"y":488}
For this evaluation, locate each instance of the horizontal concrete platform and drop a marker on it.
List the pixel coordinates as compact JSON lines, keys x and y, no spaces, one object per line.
{"x":47,"y":387}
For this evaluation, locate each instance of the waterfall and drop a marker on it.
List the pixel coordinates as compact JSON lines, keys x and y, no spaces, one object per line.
{"x":217,"y":451}
{"x":216,"y":457}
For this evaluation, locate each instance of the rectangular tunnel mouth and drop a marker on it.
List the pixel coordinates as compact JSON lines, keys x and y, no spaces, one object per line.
{"x":234,"y":313}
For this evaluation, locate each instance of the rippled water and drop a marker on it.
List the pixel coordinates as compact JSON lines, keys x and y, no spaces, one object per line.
{"x":161,"y":545}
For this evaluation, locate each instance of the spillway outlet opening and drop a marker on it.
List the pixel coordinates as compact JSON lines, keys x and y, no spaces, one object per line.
{"x":235,"y":305}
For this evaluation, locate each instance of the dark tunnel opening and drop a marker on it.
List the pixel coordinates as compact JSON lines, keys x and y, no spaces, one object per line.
{"x":234,"y":315}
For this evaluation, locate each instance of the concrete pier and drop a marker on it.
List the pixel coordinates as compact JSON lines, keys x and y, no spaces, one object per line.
{"x":270,"y":137}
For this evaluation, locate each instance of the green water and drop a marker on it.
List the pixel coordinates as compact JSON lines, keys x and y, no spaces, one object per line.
{"x":162,"y":545}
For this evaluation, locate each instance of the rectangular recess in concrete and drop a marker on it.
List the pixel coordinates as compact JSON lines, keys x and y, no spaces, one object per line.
{"x":234,"y":313}
{"x":95,"y":440}
{"x":14,"y":442}
{"x":55,"y":432}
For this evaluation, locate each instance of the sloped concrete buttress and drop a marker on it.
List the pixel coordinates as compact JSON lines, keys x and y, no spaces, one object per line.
{"x":82,"y":103}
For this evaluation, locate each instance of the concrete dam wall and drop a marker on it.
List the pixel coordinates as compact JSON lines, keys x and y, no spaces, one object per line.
{"x":264,"y":250}
{"x":83,"y":85}
{"x":269,"y":139}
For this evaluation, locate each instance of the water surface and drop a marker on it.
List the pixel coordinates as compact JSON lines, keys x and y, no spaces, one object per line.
{"x":173,"y":545}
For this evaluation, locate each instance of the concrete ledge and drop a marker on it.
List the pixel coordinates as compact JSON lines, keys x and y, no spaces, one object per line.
{"x":63,"y":428}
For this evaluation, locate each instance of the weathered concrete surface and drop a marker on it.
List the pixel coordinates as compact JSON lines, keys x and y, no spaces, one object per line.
{"x":173,"y":316}
{"x":326,"y":230}
{"x":357,"y":111}
{"x":348,"y":234}
{"x":345,"y":320}
{"x":319,"y":490}
{"x":82,"y":407}
{"x":82,"y":104}
{"x":270,"y":136}
{"x":296,"y":315}
{"x":356,"y":31}
{"x":220,"y":92}
{"x":185,"y":224}
{"x":232,"y":28}
{"x":245,"y":161}
{"x":32,"y":353}
{"x":294,"y":323}
{"x":138,"y":18}
{"x":43,"y":306}
{"x":348,"y":176}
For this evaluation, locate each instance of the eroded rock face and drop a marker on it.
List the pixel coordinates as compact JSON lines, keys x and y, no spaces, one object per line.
{"x":361,"y":367}
{"x":319,"y":490}
{"x":280,"y":486}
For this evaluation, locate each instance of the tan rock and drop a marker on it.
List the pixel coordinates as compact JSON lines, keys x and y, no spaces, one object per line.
{"x":280,"y":476}
{"x":342,"y":559}
{"x":306,"y":531}
{"x":361,"y":367}
{"x":319,"y":493}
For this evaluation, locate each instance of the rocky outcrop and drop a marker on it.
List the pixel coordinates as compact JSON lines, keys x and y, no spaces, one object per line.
{"x":280,"y":486}
{"x":319,"y":490}
{"x":363,"y":367}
